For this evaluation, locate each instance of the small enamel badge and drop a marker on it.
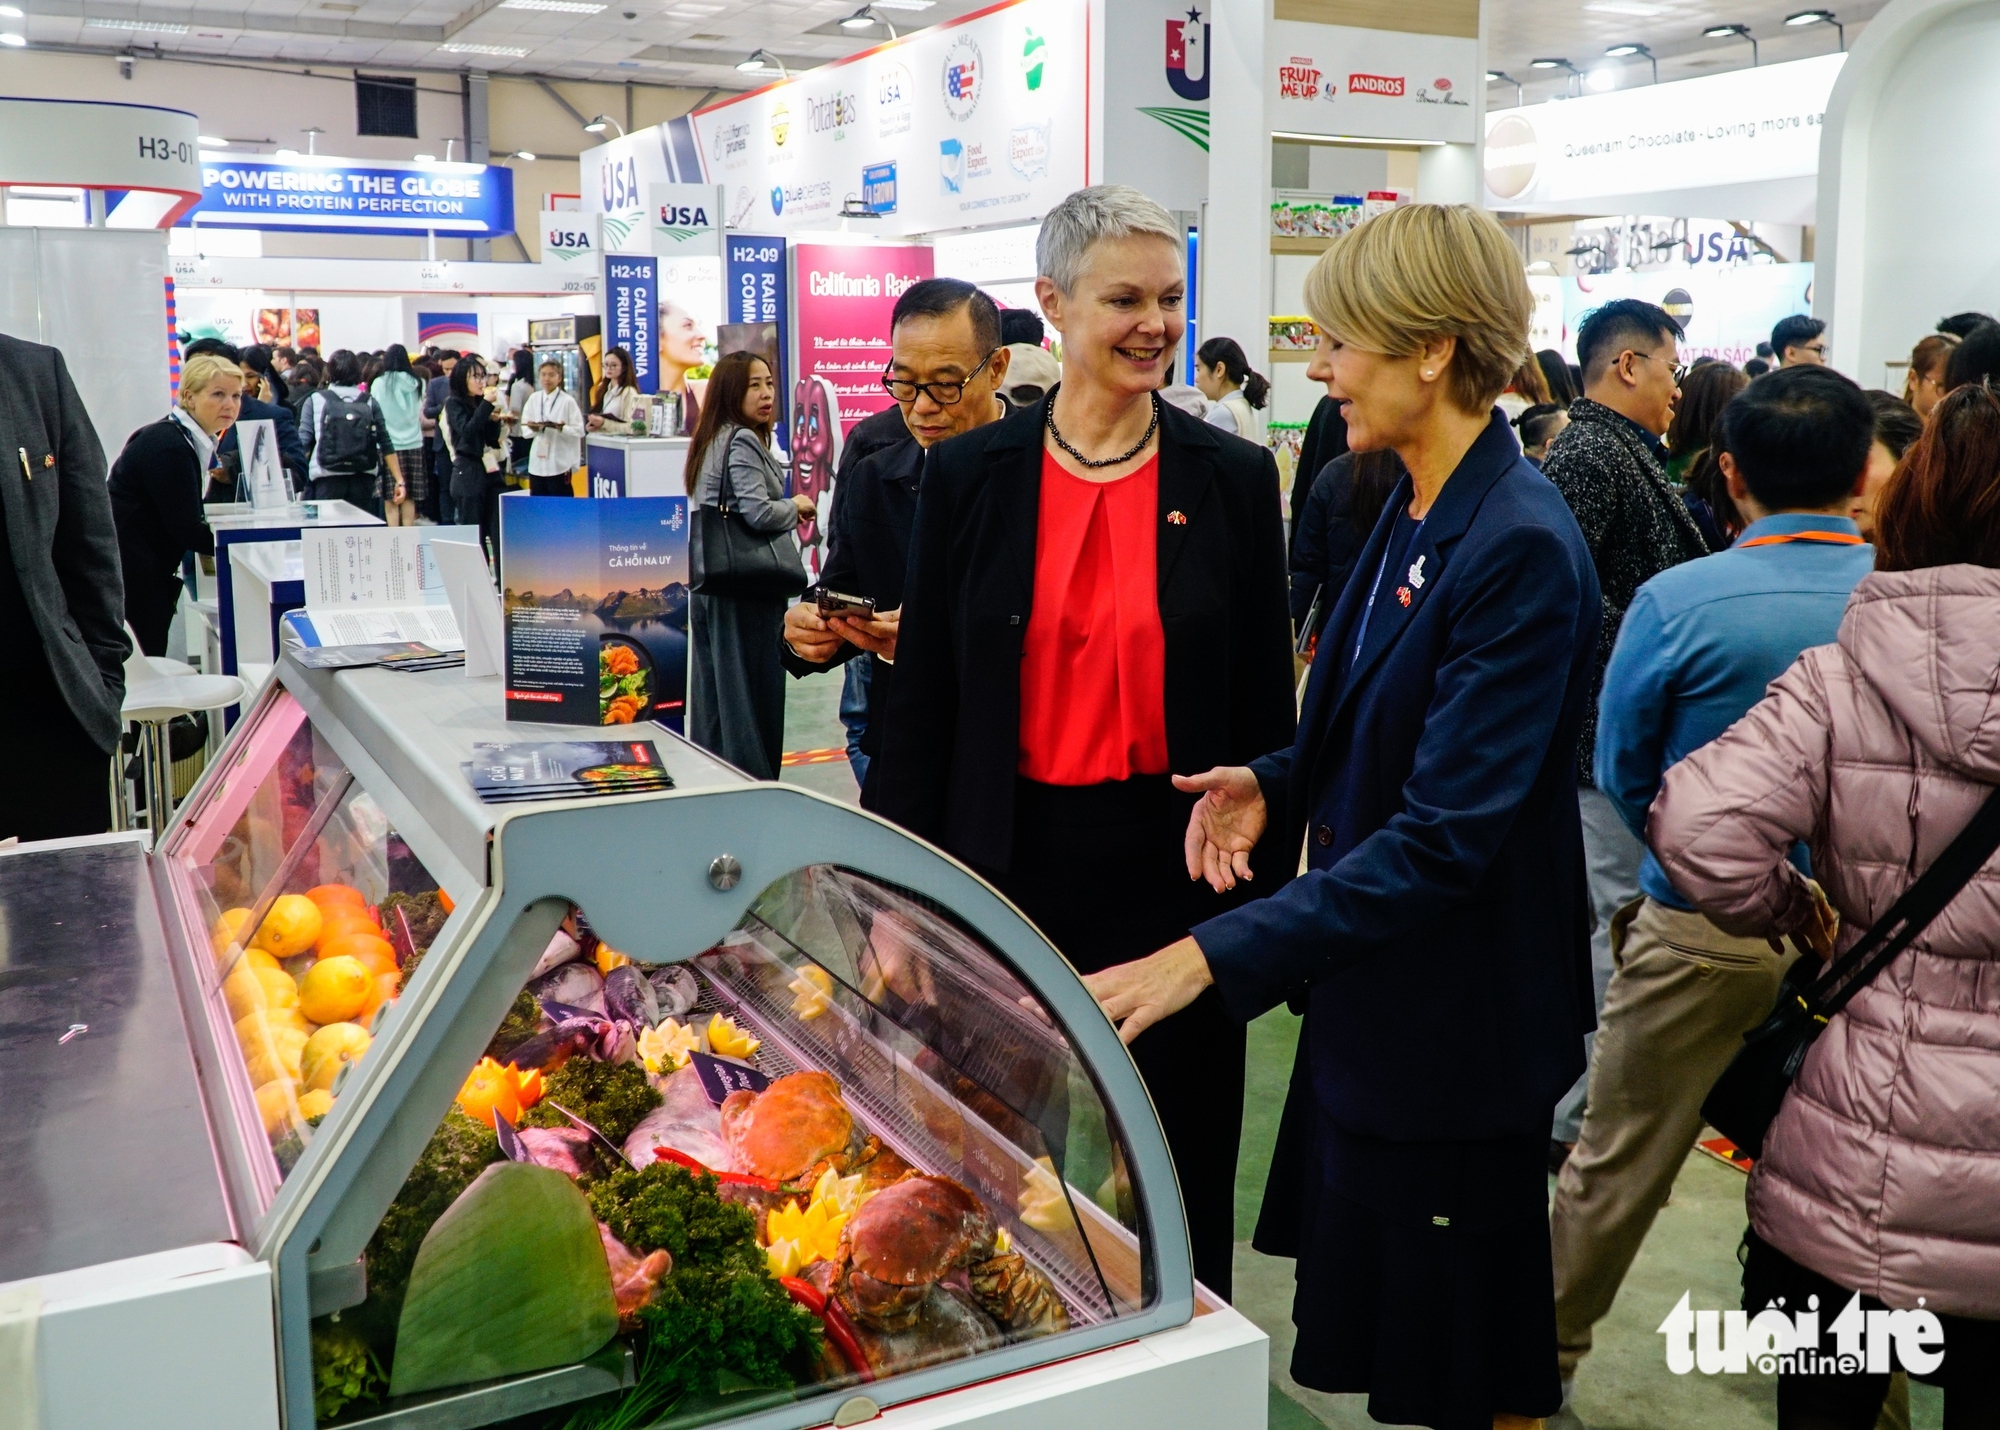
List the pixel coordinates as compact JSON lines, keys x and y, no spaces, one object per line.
{"x":1403,"y":594}
{"x":1177,"y":518}
{"x":1417,"y":574}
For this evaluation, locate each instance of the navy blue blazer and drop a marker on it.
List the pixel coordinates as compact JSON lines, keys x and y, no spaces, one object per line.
{"x":1441,"y":931}
{"x":291,"y":452}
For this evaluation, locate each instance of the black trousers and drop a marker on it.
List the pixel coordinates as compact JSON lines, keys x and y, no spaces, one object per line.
{"x":61,"y":786}
{"x":362,"y":491}
{"x":1099,"y":869}
{"x":558,"y":485}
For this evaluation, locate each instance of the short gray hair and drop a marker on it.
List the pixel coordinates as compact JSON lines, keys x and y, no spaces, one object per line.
{"x":1087,"y":218}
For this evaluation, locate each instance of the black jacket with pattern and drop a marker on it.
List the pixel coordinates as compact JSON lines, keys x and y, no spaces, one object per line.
{"x":1632,"y":518}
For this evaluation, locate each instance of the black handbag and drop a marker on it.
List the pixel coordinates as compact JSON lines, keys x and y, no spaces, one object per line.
{"x":727,"y":558}
{"x":1746,"y":1097}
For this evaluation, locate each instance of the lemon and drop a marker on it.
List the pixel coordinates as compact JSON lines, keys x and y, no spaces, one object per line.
{"x":316,"y":1104}
{"x":250,"y":987}
{"x":290,"y":927}
{"x":277,"y":1103}
{"x":328,"y":1051}
{"x":335,"y":989}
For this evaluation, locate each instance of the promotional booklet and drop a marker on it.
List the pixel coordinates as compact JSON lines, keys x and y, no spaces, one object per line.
{"x":373,"y":585}
{"x":565,"y":769}
{"x":595,"y":604}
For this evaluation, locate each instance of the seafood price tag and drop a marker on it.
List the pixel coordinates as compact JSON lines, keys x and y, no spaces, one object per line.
{"x":720,"y":1077}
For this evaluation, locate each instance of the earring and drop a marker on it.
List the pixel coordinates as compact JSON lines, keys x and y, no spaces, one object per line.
{"x":1428,"y":374}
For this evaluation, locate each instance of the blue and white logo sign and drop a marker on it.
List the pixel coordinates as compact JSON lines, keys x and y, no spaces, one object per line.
{"x":777,"y":199}
{"x":571,"y":241}
{"x":878,"y":187}
{"x":951,"y":165}
{"x":356,"y":196}
{"x":631,"y":292}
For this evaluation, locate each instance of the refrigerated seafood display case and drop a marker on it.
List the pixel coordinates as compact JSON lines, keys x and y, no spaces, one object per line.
{"x":723,"y":1103}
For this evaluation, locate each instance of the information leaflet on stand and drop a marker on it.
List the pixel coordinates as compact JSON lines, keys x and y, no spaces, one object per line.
{"x":369,"y":585}
{"x":845,"y":296}
{"x":596,"y":609}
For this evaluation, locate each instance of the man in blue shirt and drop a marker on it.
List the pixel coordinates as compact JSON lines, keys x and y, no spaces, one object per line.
{"x":1699,"y":644}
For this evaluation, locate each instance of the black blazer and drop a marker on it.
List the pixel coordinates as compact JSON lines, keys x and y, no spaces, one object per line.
{"x":952,"y":737}
{"x":156,"y":487}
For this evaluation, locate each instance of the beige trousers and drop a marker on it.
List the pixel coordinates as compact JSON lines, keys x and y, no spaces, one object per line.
{"x":1683,"y":993}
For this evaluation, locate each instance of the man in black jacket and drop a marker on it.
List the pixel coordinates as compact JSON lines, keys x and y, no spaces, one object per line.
{"x":946,"y":365}
{"x":62,"y":600}
{"x":1611,"y":469}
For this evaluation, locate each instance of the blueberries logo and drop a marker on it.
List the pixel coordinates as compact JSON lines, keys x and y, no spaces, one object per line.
{"x":951,"y":165}
{"x":777,"y":199}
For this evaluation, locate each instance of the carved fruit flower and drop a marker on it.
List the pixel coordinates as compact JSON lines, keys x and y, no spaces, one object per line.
{"x":506,"y":1090}
{"x":727,"y":1040}
{"x":665,"y":1048}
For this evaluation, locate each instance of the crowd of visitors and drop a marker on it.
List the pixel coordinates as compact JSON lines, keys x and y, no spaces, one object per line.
{"x":1634,"y":690}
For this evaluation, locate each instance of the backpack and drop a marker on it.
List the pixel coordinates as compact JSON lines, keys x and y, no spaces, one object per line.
{"x":346,"y":442}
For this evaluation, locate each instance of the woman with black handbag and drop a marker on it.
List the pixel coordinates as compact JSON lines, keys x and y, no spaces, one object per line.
{"x":744,"y":566}
{"x":1880,"y":1174}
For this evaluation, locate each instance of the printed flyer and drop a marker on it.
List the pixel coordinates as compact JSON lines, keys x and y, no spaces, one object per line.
{"x":596,"y":607}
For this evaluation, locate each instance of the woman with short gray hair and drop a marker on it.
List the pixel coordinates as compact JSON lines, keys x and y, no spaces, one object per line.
{"x":1096,"y":607}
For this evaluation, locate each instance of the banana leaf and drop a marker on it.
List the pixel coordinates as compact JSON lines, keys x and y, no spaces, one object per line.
{"x":511,"y":1279}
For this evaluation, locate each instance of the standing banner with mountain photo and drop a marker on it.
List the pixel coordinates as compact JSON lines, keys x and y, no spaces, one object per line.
{"x":977,"y":121}
{"x":596,"y":605}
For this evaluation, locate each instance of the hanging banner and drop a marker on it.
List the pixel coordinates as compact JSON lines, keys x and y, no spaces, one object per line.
{"x":753,"y":289}
{"x":686,"y":220}
{"x":618,"y":179}
{"x":1156,"y":99}
{"x":1339,"y":80}
{"x":326,"y":195}
{"x":148,"y":159}
{"x":1726,"y":312}
{"x":972,"y":122}
{"x":844,"y":295}
{"x":631,"y":292}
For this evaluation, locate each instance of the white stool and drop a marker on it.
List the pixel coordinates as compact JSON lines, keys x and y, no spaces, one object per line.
{"x":156,"y":690}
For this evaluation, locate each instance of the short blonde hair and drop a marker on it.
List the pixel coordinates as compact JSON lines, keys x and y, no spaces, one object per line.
{"x":1092,"y":216}
{"x":1424,"y":271}
{"x":202,"y":369}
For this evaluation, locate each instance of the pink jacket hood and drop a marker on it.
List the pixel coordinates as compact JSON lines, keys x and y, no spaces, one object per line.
{"x":1882,"y":1171}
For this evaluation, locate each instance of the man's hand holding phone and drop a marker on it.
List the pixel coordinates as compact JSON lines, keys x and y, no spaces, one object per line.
{"x":809,"y":636}
{"x":874,"y":632}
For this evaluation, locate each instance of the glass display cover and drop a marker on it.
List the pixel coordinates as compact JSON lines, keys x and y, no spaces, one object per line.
{"x":845,"y":1143}
{"x":314,"y":912}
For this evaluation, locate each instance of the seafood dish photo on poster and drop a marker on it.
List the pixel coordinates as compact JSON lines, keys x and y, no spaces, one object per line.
{"x":595,"y":601}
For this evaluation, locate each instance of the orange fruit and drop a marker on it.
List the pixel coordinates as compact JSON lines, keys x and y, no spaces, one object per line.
{"x":334,"y":989}
{"x":372,"y":950}
{"x":444,"y":900}
{"x":328,"y":1051}
{"x":332,"y":896}
{"x":344,"y":918}
{"x":277,"y":1103}
{"x":386,"y":987}
{"x":290,"y":927}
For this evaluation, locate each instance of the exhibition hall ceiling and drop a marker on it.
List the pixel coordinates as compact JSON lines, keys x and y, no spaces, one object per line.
{"x":699,"y":42}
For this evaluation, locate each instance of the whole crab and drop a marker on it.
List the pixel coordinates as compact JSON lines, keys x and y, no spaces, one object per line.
{"x":897,"y":1250}
{"x":794,"y":1129}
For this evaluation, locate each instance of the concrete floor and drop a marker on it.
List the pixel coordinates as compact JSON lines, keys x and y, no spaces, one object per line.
{"x":1624,"y":1385}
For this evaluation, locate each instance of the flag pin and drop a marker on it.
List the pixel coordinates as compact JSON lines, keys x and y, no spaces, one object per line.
{"x":1176,"y":518}
{"x":1403,"y":594}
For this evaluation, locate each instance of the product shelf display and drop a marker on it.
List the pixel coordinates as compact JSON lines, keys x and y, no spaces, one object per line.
{"x":727,"y":1103}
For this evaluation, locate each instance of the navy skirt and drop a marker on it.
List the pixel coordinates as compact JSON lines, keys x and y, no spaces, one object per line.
{"x":1425,"y":1278}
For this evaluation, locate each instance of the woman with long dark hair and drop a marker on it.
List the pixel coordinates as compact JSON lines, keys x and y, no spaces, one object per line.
{"x":1236,"y":393}
{"x":1095,"y":605}
{"x":616,"y":393}
{"x":472,"y":434}
{"x":1439,"y":934}
{"x":736,"y":678}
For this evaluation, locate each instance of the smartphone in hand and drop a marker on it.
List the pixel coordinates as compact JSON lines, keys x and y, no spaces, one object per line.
{"x":835,"y":603}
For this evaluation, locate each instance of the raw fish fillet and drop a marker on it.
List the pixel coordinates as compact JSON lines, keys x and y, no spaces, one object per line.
{"x":562,"y":949}
{"x":685,"y":1121}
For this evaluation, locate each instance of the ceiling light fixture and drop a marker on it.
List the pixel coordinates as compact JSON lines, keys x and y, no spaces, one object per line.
{"x":1734,"y":32}
{"x":866,"y":19}
{"x":209,"y":141}
{"x":757,"y":61}
{"x":602,"y":122}
{"x":13,"y":12}
{"x":151,"y":27}
{"x":1601,"y":79}
{"x":1631,"y":48}
{"x":904,"y":4}
{"x":524,"y":155}
{"x":1554,"y":63}
{"x":561,"y":7}
{"x":13,"y":41}
{"x":511,"y":52}
{"x":285,"y":155}
{"x":1502,"y":77}
{"x":427,"y":158}
{"x":1803,"y":17}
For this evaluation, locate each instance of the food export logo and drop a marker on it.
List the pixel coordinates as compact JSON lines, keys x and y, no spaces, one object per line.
{"x":962,"y":77}
{"x":895,"y":95}
{"x":731,"y":146}
{"x":1034,"y":56}
{"x":1387,"y":86}
{"x":1187,"y":56}
{"x":951,"y":166}
{"x":781,"y":124}
{"x":1513,"y":151}
{"x":1028,"y":150}
{"x":833,"y":114}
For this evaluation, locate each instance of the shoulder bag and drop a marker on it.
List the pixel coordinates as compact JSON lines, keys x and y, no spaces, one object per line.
{"x":1746,"y":1097}
{"x":727,"y":558}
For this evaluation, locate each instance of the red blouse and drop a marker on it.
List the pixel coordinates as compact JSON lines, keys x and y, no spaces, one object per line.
{"x":1094,"y":664}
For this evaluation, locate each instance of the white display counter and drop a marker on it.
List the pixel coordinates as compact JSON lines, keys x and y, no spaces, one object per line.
{"x":637,"y":466}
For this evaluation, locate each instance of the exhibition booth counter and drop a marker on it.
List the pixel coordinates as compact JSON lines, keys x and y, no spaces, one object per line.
{"x":636,"y":466}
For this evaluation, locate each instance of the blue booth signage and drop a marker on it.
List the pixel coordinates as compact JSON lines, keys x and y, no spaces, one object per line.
{"x":631,"y":290}
{"x":355,"y":196}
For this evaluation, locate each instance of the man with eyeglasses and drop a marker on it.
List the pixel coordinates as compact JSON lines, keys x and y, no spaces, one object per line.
{"x":1799,"y":341}
{"x":1610,"y":467}
{"x":946,"y":368}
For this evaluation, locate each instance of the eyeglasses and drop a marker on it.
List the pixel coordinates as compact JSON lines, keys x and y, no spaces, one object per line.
{"x":1679,"y":370}
{"x":944,"y":394}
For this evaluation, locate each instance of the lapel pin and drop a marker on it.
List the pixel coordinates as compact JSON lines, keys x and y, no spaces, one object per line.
{"x":1176,"y":518}
{"x":49,"y":460}
{"x":1403,"y":594}
{"x":1417,"y":574}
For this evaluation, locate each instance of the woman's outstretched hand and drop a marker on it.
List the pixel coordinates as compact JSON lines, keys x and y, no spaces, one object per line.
{"x":1227,"y":822}
{"x":1136,"y":995}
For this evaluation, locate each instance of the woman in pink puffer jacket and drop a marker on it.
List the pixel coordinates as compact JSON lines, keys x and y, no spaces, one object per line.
{"x":1881,"y":1173}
